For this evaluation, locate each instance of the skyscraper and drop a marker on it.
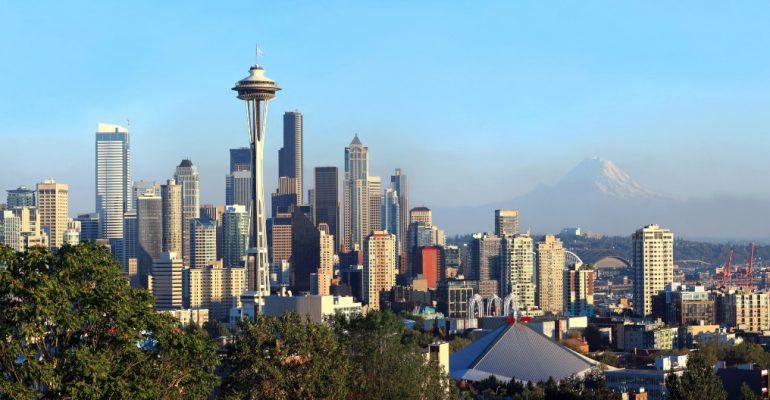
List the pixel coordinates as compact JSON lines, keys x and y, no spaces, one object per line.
{"x":305,"y":251}
{"x":10,"y":230}
{"x":391,"y":216}
{"x":284,"y":199}
{"x":130,"y":246}
{"x":326,"y":201}
{"x":290,"y":155}
{"x":143,"y":187}
{"x":517,"y":270}
{"x":256,"y":91}
{"x":579,"y":290}
{"x":89,"y":227}
{"x":215,"y":288}
{"x":375,"y":204}
{"x":53,"y":210}
{"x":113,"y":179}
{"x":235,"y":227}
{"x":149,"y":221}
{"x":280,"y":238}
{"x":187,"y":176}
{"x":326,"y":260}
{"x":653,"y":263}
{"x":240,"y":159}
{"x":21,"y":197}
{"x":167,"y":281}
{"x":506,"y":222}
{"x":550,"y":274}
{"x":238,"y":188}
{"x":171,"y":196}
{"x":356,"y":193}
{"x":400,"y":183}
{"x":379,"y":267}
{"x":203,"y":242}
{"x":421,"y":214}
{"x":484,"y":258}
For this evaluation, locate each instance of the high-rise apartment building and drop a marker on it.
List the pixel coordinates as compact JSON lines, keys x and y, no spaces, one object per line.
{"x":326,"y":260}
{"x":326,"y":202}
{"x":187,"y":176}
{"x":149,"y":221}
{"x":745,"y":310}
{"x":171,"y":197}
{"x":550,"y":274}
{"x":10,"y":230}
{"x":203,"y":242}
{"x":20,"y":197}
{"x":356,"y":194}
{"x":238,"y":188}
{"x":215,"y":212}
{"x":653,"y":264}
{"x":375,"y":203}
{"x":379,"y":267}
{"x":113,"y":179}
{"x":517,"y":269}
{"x":579,"y":290}
{"x":484,"y":258}
{"x":53,"y":210}
{"x":214,"y":288}
{"x":290,"y":155}
{"x":400,"y":183}
{"x":235,"y":232}
{"x":240,"y":159}
{"x":506,"y":222}
{"x":167,"y":281}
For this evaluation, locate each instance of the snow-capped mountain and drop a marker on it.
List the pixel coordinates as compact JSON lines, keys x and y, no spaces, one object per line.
{"x":596,"y":174}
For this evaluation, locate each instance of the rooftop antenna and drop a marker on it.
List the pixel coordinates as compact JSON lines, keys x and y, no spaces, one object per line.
{"x":128,"y":123}
{"x":258,"y":53}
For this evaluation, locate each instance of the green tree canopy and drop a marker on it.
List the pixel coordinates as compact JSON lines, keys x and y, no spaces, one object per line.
{"x":698,"y":382}
{"x":74,"y":328}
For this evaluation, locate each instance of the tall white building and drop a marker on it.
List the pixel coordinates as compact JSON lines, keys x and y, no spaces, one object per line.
{"x":550,"y":274}
{"x":517,"y":269}
{"x":653,"y":264}
{"x":379,"y":267}
{"x":113,"y":179}
{"x":10,"y":230}
{"x":214,"y":288}
{"x":187,"y":176}
{"x":356,"y":194}
{"x":53,"y":210}
{"x":167,"y":281}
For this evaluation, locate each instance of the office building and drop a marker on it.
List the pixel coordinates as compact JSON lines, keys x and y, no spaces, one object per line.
{"x":203,"y":242}
{"x":326,"y":260}
{"x":187,"y":176}
{"x":651,"y":382}
{"x":113,"y":179}
{"x":484,"y":257}
{"x":167,"y":281}
{"x":215,"y":213}
{"x":684,"y":305}
{"x":171,"y":197}
{"x":53,"y":210}
{"x":284,"y":199}
{"x":550,"y":274}
{"x":422,"y":215}
{"x":235,"y":232}
{"x":240,"y":159}
{"x":130,"y":243}
{"x":143,"y":187}
{"x":379,"y":272}
{"x":745,"y":310}
{"x":579,"y":290}
{"x":375,"y":204}
{"x":506,"y":222}
{"x":326,"y":203}
{"x":517,"y":269}
{"x":20,"y":197}
{"x":238,"y":188}
{"x":280,"y":238}
{"x":305,"y":251}
{"x":290,"y":155}
{"x":400,"y":183}
{"x":89,"y":227}
{"x":356,"y":194}
{"x":452,"y":257}
{"x":653,"y":264}
{"x":429,"y":263}
{"x":214,"y":288}
{"x":149,"y":221}
{"x":391,"y":217}
{"x":10,"y":230}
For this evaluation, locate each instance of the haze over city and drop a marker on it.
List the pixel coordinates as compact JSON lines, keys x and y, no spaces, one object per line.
{"x":478,"y":103}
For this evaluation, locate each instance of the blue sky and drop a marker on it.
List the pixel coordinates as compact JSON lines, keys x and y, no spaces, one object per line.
{"x":475,"y":101}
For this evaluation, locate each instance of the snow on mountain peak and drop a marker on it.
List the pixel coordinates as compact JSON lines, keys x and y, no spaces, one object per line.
{"x":605,"y":177}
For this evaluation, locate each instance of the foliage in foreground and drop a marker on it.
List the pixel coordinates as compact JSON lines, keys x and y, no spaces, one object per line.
{"x":591,"y":386}
{"x":74,"y":328}
{"x":698,"y":382}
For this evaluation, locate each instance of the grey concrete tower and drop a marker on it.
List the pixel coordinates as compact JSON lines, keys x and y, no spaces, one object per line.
{"x":256,"y":90}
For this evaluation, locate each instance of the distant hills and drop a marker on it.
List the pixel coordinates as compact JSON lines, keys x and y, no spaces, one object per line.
{"x":597,"y":195}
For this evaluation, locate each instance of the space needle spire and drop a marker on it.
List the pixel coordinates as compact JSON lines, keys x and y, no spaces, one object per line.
{"x":256,"y":91}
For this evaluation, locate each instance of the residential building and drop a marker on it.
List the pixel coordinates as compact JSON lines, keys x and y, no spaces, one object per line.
{"x":235,"y":231}
{"x":745,"y":310}
{"x":326,"y":260}
{"x":203,"y":242}
{"x":684,"y":305}
{"x":517,"y":269}
{"x":551,"y":258}
{"x":379,"y":267}
{"x":53,"y":210}
{"x":238,"y":188}
{"x":10,"y":230}
{"x":579,"y":290}
{"x":649,"y":336}
{"x":113,"y":179}
{"x":653,"y":263}
{"x":318,"y":308}
{"x":214,"y":288}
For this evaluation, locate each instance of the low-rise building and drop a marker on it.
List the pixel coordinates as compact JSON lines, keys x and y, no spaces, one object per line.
{"x":649,"y":335}
{"x":651,"y":381}
{"x":317,"y":308}
{"x":187,"y":316}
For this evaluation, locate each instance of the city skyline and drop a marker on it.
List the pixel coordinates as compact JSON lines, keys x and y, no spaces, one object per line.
{"x":623,"y":91}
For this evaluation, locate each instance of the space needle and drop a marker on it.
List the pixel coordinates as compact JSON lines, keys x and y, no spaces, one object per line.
{"x":256,"y":90}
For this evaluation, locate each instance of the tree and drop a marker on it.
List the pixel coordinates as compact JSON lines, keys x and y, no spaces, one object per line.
{"x":216,"y":329}
{"x":747,"y":393}
{"x":74,"y":328}
{"x":698,"y":382}
{"x":285,"y":358}
{"x":387,"y":361}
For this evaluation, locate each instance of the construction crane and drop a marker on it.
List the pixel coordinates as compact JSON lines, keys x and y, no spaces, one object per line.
{"x":726,"y":278}
{"x":747,"y":275}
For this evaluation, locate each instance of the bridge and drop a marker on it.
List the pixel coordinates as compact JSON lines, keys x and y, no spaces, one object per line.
{"x":604,"y":258}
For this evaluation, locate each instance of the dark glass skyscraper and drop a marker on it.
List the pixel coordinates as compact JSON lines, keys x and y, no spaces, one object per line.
{"x":399,"y":183}
{"x":290,"y":155}
{"x":326,"y":204}
{"x":240,"y":159}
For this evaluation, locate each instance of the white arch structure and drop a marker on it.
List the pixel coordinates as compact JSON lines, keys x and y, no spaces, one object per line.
{"x":511,"y":306}
{"x":493,"y":302}
{"x":571,"y":258}
{"x":475,"y":303}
